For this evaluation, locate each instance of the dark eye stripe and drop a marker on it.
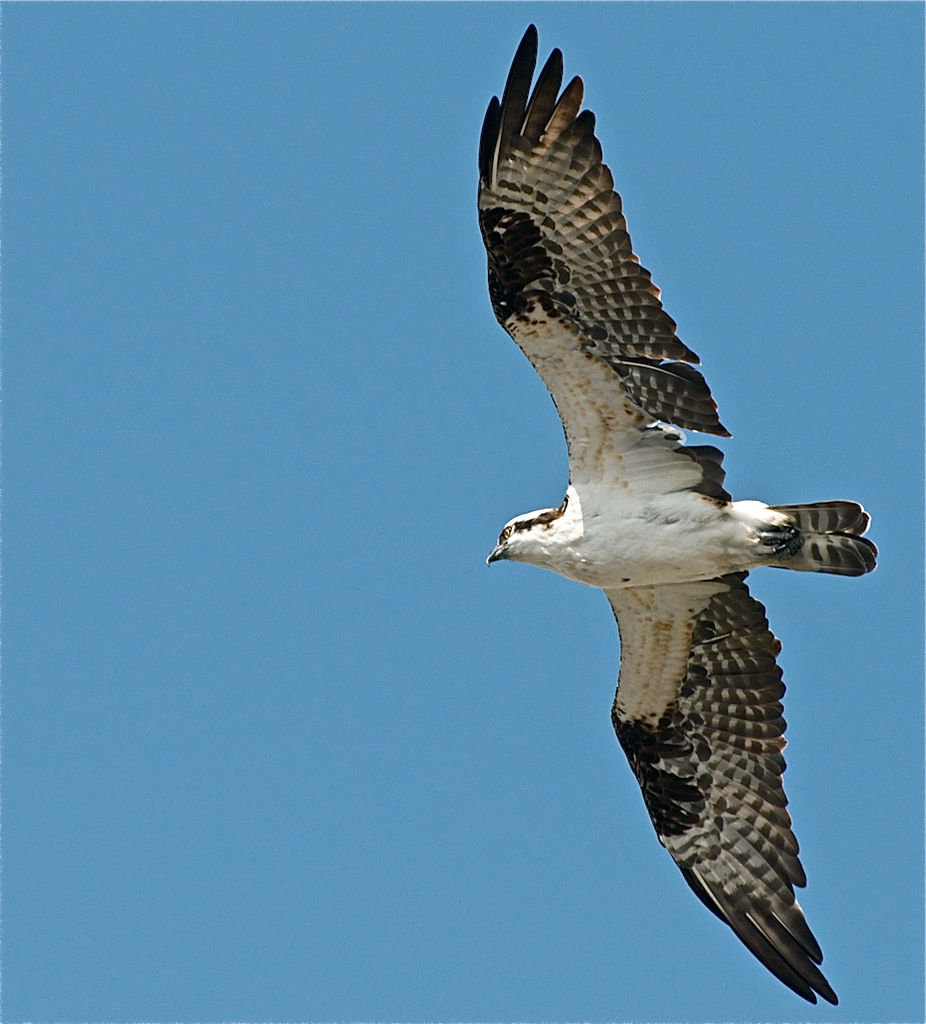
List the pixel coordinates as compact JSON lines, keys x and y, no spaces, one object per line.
{"x":544,"y":519}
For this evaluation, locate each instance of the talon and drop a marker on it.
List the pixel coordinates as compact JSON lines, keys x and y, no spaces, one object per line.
{"x":785,"y":542}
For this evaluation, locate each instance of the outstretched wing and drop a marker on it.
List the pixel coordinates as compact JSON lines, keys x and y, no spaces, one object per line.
{"x":563,"y":279}
{"x":698,"y":713}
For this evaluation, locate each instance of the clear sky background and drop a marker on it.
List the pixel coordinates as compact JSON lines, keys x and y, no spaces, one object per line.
{"x":277,"y":745}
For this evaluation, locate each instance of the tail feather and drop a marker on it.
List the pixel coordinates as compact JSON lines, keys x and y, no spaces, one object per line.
{"x":832,"y":538}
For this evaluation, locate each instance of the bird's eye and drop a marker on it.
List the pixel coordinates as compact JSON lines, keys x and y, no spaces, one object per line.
{"x":504,"y":535}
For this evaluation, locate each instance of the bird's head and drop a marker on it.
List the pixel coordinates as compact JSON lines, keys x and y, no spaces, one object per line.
{"x":512,"y":541}
{"x":528,"y":538}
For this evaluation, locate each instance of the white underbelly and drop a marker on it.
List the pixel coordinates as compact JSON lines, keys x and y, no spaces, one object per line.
{"x":673,"y":539}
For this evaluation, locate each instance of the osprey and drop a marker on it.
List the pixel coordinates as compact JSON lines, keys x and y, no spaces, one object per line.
{"x":646,"y":517}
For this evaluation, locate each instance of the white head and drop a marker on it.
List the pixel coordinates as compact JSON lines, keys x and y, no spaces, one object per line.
{"x":530,"y":538}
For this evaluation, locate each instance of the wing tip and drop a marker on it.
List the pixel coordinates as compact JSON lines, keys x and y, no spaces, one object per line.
{"x":799,"y":971}
{"x":488,"y":136}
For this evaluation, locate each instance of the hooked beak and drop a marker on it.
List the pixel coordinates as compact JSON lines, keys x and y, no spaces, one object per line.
{"x":497,"y":553}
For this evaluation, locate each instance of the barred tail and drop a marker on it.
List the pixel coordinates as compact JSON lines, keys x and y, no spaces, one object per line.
{"x":832,"y":538}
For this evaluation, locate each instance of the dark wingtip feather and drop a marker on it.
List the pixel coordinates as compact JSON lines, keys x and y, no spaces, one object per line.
{"x":488,"y":137}
{"x":543,"y":98}
{"x":517,"y":87}
{"x":799,"y":973}
{"x":567,"y":109}
{"x":503,"y":119}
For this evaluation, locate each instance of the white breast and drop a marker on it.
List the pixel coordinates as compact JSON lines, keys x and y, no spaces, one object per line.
{"x":612,"y":538}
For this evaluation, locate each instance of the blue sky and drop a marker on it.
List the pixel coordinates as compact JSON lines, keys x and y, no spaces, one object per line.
{"x":277,"y":745}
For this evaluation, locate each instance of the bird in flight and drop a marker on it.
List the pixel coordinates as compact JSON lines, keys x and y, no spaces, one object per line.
{"x":647,"y":520}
